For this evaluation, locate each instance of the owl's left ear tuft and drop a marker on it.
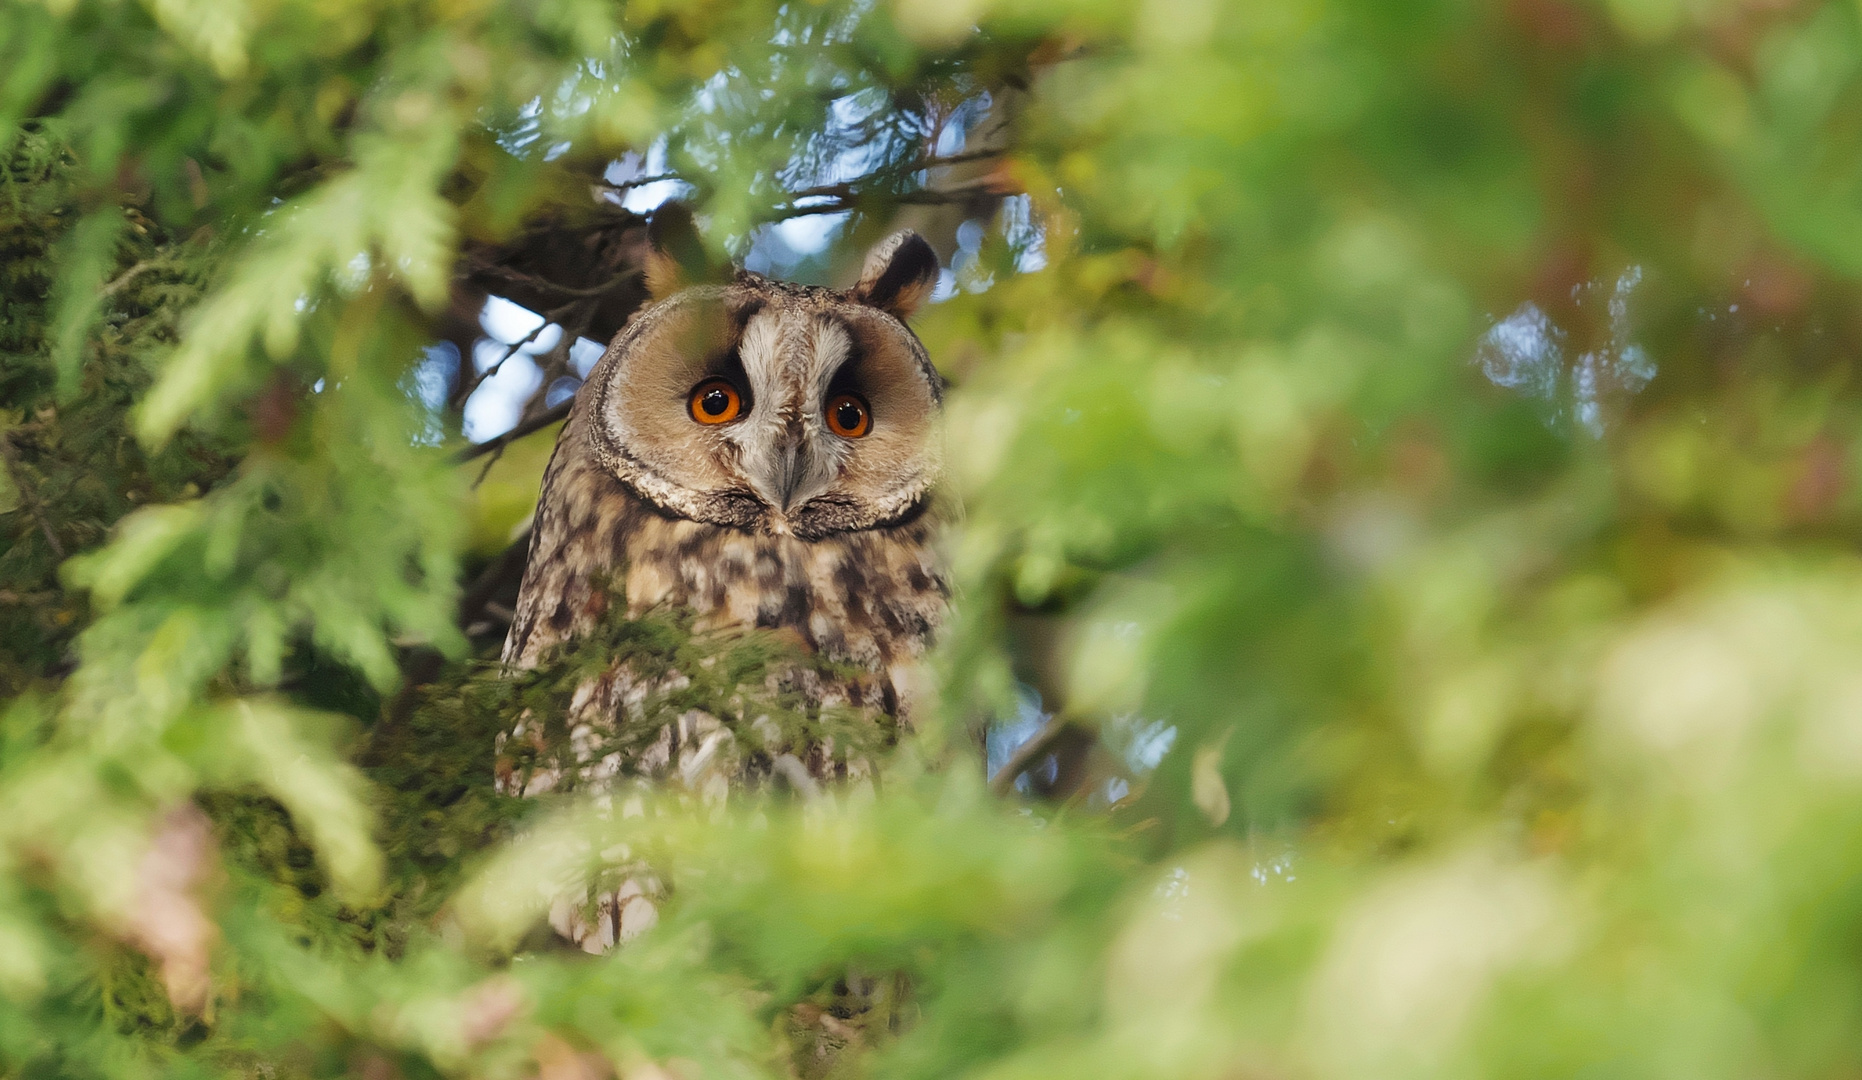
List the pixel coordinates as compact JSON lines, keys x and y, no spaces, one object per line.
{"x":676,"y":255}
{"x":900,"y":274}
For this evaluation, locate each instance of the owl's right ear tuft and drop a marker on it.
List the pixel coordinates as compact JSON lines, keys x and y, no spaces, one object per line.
{"x":676,"y":255}
{"x":900,"y":274}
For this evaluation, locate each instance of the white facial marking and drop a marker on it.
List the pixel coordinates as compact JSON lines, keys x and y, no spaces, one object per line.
{"x":790,"y":357}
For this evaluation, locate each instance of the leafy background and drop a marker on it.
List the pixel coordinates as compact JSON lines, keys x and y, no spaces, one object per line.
{"x":1403,"y":470}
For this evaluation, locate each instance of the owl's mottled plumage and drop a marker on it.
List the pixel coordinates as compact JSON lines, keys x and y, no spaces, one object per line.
{"x":771,"y":520}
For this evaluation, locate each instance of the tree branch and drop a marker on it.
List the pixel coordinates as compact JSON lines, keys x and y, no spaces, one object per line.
{"x":1028,"y":753}
{"x":536,"y":423}
{"x":494,"y":577}
{"x":520,"y":278}
{"x":848,"y":196}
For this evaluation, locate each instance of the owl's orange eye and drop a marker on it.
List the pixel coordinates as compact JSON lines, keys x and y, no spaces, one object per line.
{"x":848,"y":416}
{"x":716,"y":401}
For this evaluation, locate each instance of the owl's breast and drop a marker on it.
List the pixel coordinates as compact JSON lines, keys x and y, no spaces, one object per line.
{"x":871,"y":598}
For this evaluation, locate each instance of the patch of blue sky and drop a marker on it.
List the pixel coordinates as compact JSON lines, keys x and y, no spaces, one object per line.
{"x":843,"y":30}
{"x":967,"y":264}
{"x":561,"y":390}
{"x":714,"y":93}
{"x":1025,"y":233}
{"x":355,"y":273}
{"x":1525,"y":352}
{"x":779,"y":248}
{"x":1139,"y":742}
{"x":847,"y":147}
{"x":583,"y":355}
{"x":432,"y":378}
{"x":497,"y":403}
{"x":651,"y":196}
{"x":1026,"y":237}
{"x":510,"y":323}
{"x":1276,"y":867}
{"x":522,"y":133}
{"x":574,"y":97}
{"x":954,"y":133}
{"x":632,"y":168}
{"x":538,"y":123}
{"x":1005,"y":736}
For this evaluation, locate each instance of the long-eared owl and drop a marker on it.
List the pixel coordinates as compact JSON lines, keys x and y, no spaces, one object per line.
{"x":757,"y":454}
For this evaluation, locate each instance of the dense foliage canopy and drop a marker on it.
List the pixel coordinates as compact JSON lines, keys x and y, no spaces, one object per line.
{"x":1402,"y":459}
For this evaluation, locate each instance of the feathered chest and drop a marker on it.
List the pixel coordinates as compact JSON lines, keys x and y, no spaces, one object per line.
{"x":871,"y":598}
{"x":868,"y":602}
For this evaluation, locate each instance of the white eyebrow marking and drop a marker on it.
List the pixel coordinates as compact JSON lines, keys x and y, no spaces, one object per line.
{"x":760,"y":352}
{"x":833,"y":347}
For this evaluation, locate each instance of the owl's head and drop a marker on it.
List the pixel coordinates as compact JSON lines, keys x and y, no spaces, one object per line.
{"x":770,"y":407}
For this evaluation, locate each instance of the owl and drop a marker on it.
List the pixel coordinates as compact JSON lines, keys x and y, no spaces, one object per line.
{"x":757,"y":455}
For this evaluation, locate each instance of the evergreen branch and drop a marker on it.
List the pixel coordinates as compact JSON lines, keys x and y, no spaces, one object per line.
{"x":27,"y":495}
{"x":123,"y":279}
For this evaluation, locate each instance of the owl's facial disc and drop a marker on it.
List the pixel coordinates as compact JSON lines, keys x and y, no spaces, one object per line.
{"x":809,"y":372}
{"x":770,"y":409}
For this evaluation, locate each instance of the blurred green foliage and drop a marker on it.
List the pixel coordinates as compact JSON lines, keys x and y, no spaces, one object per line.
{"x":1434,"y":425}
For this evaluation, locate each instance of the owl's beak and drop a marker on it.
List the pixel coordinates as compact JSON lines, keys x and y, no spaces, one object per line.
{"x":793,"y":473}
{"x":779,"y":470}
{"x":788,"y":473}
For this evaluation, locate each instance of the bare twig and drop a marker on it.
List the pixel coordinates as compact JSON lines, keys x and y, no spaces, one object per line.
{"x":490,"y":459}
{"x":469,"y":366}
{"x":1028,"y":753}
{"x":643,"y":181}
{"x":549,"y":319}
{"x":983,"y":185}
{"x":959,"y":159}
{"x":846,"y":196}
{"x":518,"y":277}
{"x":494,"y":577}
{"x":554,"y":365}
{"x":121,"y":280}
{"x":852,"y":188}
{"x":903,"y":168}
{"x":536,"y":423}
